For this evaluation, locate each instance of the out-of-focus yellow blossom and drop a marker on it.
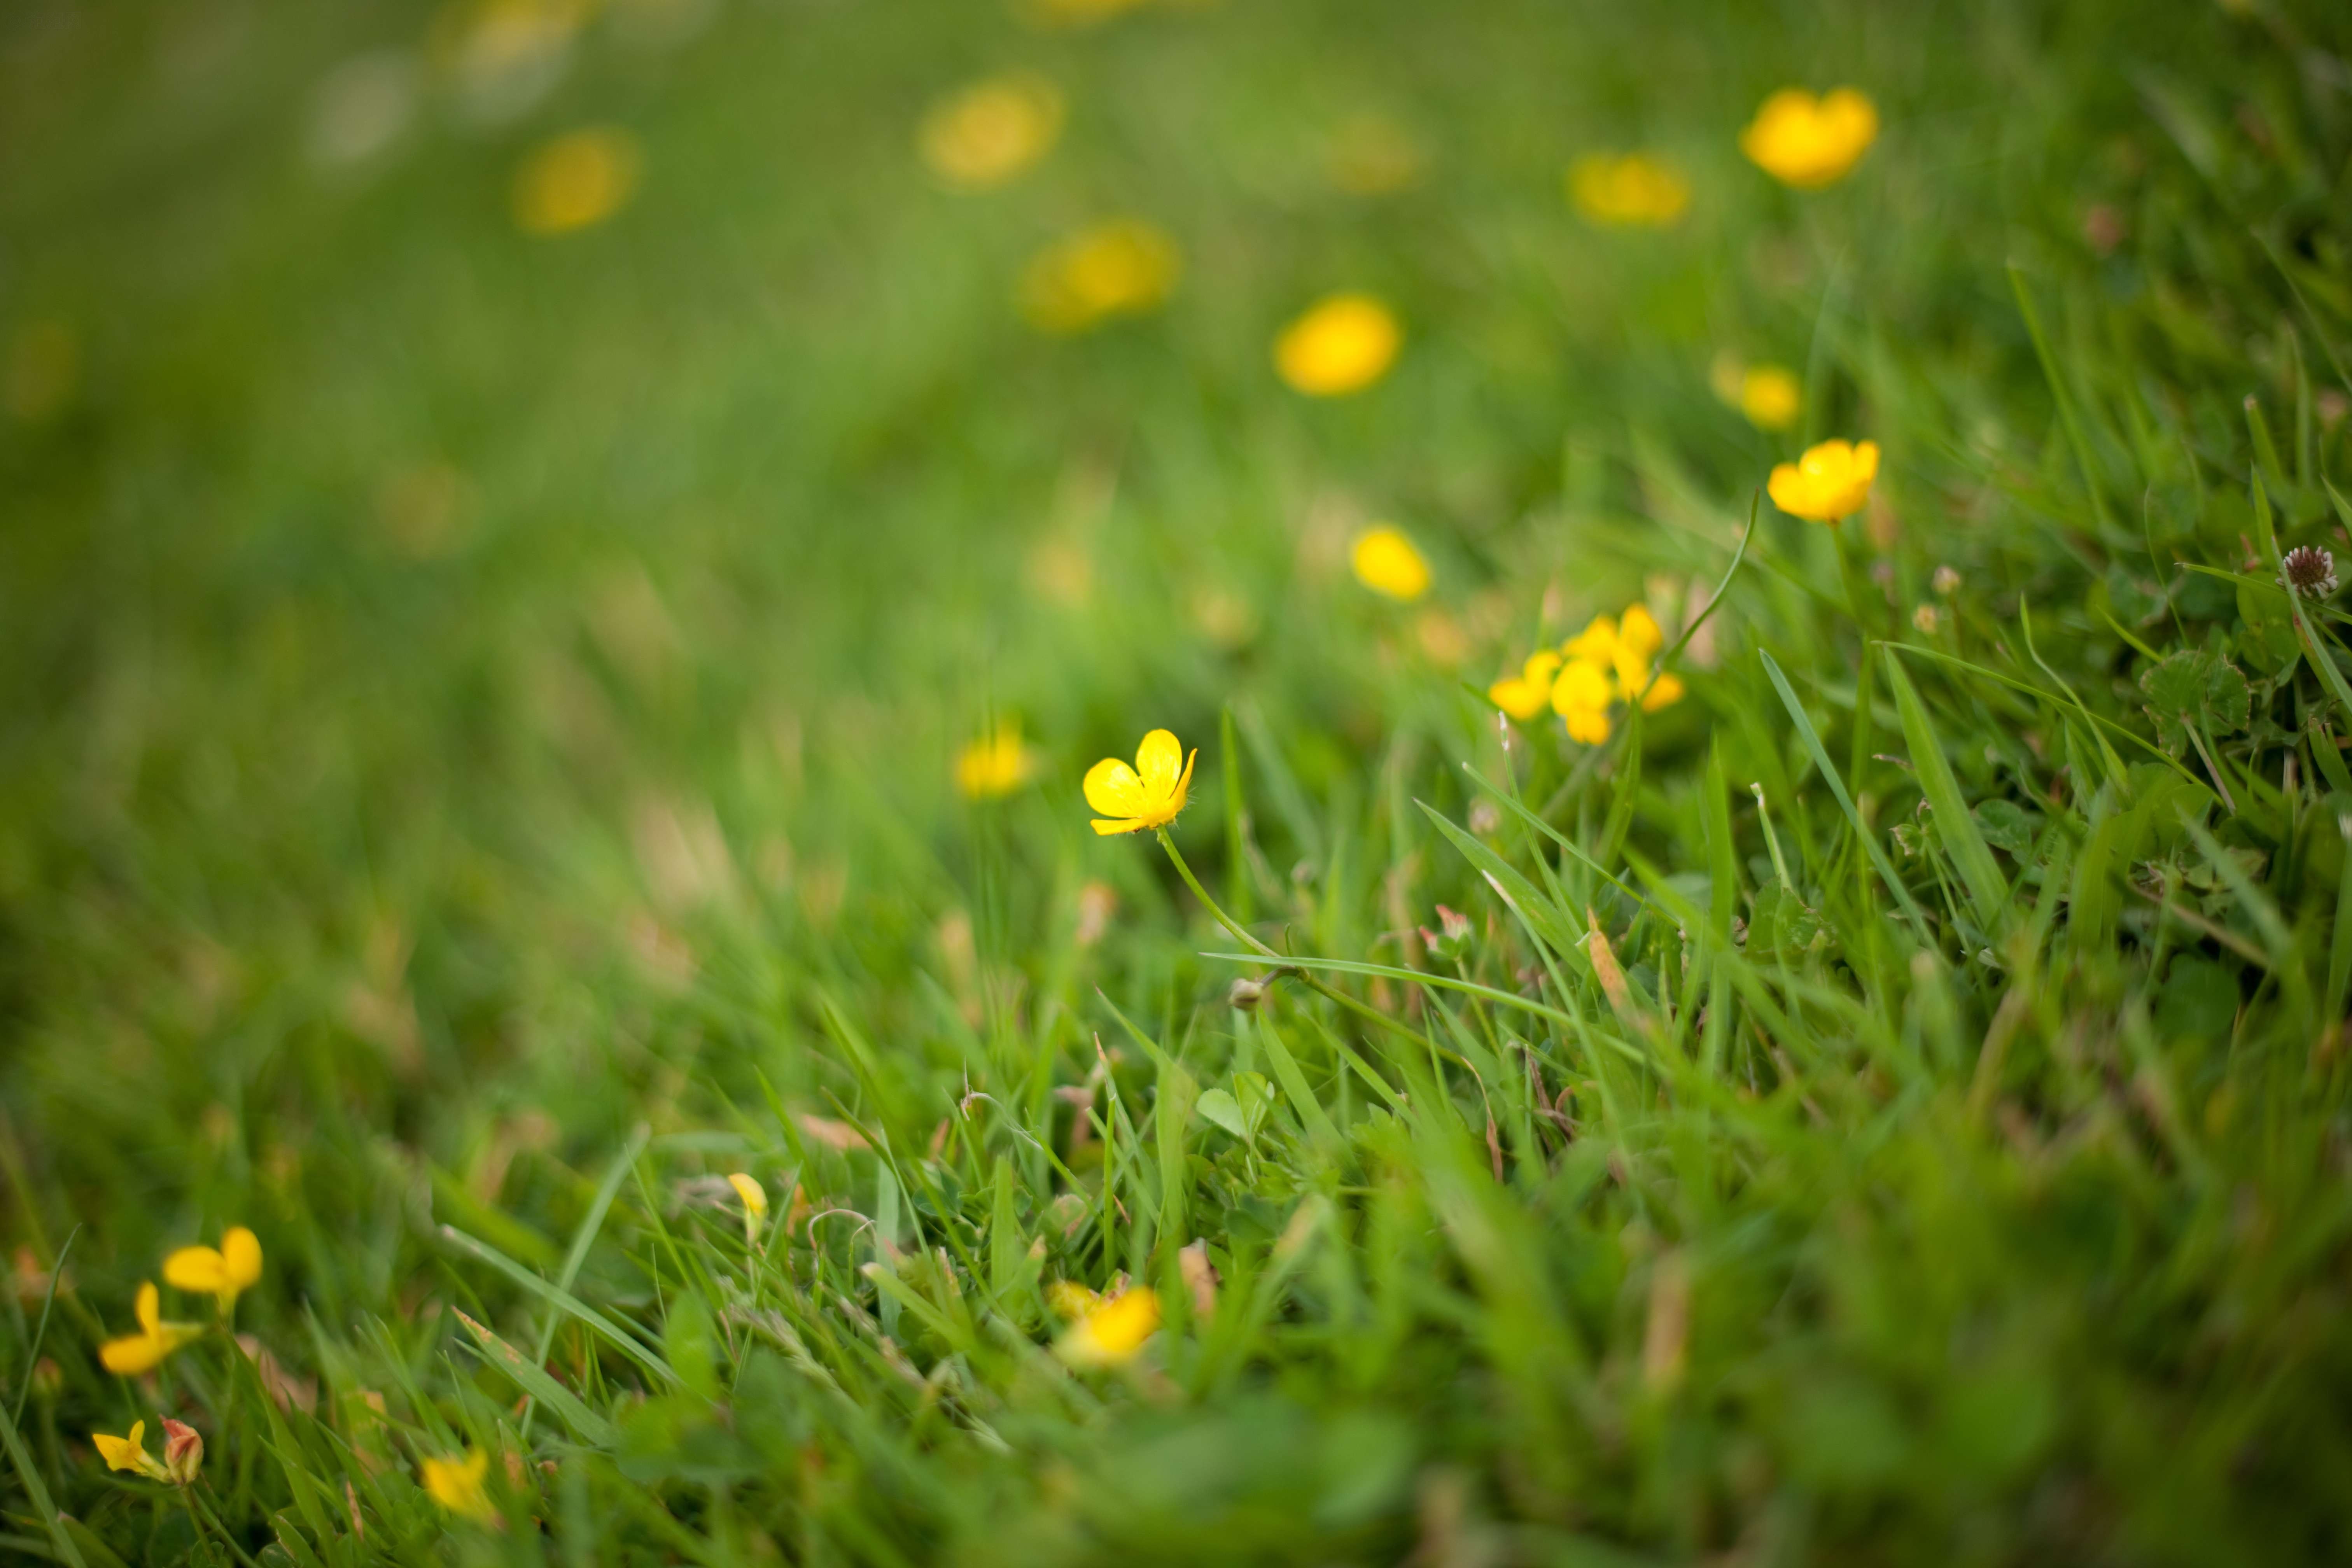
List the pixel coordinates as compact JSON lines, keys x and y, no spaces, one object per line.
{"x":1148,"y":794}
{"x":234,"y":1267}
{"x":457,"y":1484}
{"x":1637,"y":190}
{"x":1121,"y":268}
{"x":1771,"y":396}
{"x":1596,"y":644}
{"x":1527,"y":694}
{"x":144,"y":1351}
{"x":1638,"y":641}
{"x":1829,"y":483}
{"x":576,"y":181}
{"x":1386,"y":562}
{"x":1109,"y":1332}
{"x":1580,"y":695}
{"x":1808,"y":142}
{"x":130,"y":1453}
{"x":183,"y":1452}
{"x":1343,"y":345}
{"x":990,"y":132}
{"x":755,"y":1204}
{"x":994,"y":765}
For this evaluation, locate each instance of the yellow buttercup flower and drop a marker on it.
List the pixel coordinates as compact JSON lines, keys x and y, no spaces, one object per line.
{"x":1771,"y":396}
{"x":144,"y":1351}
{"x":1386,"y":562}
{"x":576,"y":181}
{"x":755,"y":1204}
{"x":1121,"y":268}
{"x":1148,"y":794}
{"x":1580,"y":695}
{"x":1110,"y":1333}
{"x":1808,"y":142}
{"x":457,"y":1484}
{"x":1829,"y":483}
{"x":1343,"y":345}
{"x":990,"y":132}
{"x":1634,"y":191}
{"x":130,"y":1453}
{"x":994,"y":765}
{"x":236,"y":1268}
{"x":1527,"y":694}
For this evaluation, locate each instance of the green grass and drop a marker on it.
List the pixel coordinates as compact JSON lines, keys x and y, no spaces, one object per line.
{"x":475,"y":769}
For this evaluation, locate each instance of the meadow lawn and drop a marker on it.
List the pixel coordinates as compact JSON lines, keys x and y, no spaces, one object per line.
{"x":1737,"y":949}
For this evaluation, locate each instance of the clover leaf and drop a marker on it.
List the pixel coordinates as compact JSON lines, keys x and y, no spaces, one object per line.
{"x":2194,"y":689}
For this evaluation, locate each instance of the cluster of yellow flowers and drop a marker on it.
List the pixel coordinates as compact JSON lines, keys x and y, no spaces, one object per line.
{"x":1607,"y":662}
{"x":183,"y":1452}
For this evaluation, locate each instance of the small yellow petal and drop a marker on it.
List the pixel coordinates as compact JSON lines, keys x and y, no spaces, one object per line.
{"x":754,"y":1196}
{"x":1638,"y":630}
{"x":1807,"y":142}
{"x":198,"y":1268}
{"x":131,"y":1355}
{"x":1158,"y":763}
{"x":1112,"y":1333}
{"x":1596,"y":642}
{"x":241,"y":1257}
{"x":1112,"y":788}
{"x":1831,"y":481}
{"x":1666,"y":691}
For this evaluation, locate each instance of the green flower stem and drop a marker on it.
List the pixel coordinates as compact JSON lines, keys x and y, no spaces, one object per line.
{"x":1309,"y":981}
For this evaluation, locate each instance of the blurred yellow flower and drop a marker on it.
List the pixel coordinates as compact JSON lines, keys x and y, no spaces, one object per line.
{"x":1769,"y":396}
{"x":1808,"y":142}
{"x":990,"y":132}
{"x":1121,"y":268}
{"x":1148,"y":794}
{"x":576,"y":181}
{"x":1581,"y":694}
{"x":1343,"y":343}
{"x":130,"y":1453}
{"x":994,"y":765}
{"x":1386,"y":562}
{"x":1527,"y":694}
{"x":755,"y":1204}
{"x":144,"y":1351}
{"x":457,"y":1484}
{"x":1110,"y":1333}
{"x":237,"y":1267}
{"x":1829,"y":483}
{"x":1637,"y":190}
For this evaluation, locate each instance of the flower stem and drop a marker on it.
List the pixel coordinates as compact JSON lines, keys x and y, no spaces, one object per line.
{"x":1309,"y":981}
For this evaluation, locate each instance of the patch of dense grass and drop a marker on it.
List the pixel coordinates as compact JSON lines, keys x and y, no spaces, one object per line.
{"x":479,"y":757}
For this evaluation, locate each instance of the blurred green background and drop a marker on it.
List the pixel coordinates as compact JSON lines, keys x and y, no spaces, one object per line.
{"x":466,"y":691}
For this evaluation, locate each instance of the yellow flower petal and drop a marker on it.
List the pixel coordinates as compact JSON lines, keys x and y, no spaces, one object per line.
{"x":1112,"y":788}
{"x":457,"y":1484}
{"x":1526,"y":695}
{"x":1588,"y":725}
{"x":1343,"y":343}
{"x":241,"y":1257}
{"x":1664,"y":691}
{"x":1808,"y":142}
{"x":1596,"y":642}
{"x":1159,"y":761}
{"x":1386,"y":562}
{"x":754,"y":1196}
{"x":147,"y":1306}
{"x":995,"y":765}
{"x":1830,"y":482}
{"x":197,"y":1269}
{"x":1582,"y":686}
{"x":1771,"y":396}
{"x":1637,"y":629}
{"x":1112,"y":1333}
{"x":1117,"y":269}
